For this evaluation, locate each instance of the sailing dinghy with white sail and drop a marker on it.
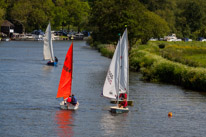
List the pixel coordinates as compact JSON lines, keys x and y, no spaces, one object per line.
{"x":117,"y":79}
{"x":48,"y":47}
{"x":65,"y":83}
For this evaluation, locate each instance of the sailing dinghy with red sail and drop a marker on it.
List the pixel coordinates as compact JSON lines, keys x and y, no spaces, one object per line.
{"x":65,"y":84}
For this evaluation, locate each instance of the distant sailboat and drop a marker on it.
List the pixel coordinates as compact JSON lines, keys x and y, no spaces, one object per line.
{"x":117,"y":79}
{"x":48,"y":48}
{"x":65,"y":84}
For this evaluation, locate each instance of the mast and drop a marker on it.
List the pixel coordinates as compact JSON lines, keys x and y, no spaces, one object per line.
{"x":128,"y":64}
{"x":119,"y":70}
{"x":72,"y":63}
{"x":51,"y":44}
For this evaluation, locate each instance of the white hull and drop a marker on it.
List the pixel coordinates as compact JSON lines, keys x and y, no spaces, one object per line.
{"x":69,"y":107}
{"x":118,"y":110}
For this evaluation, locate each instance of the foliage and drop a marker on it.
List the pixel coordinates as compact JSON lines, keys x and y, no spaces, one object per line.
{"x":152,"y":26}
{"x":35,"y":14}
{"x":186,"y":18}
{"x":108,"y":18}
{"x":73,"y":13}
{"x":144,"y":18}
{"x":21,"y":12}
{"x":106,"y":50}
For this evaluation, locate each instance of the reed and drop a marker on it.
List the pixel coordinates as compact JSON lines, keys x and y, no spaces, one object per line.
{"x":106,"y":50}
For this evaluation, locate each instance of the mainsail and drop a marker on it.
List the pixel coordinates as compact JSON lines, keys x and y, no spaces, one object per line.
{"x":48,"y":46}
{"x":124,"y":65}
{"x":110,"y":88}
{"x":117,"y":76}
{"x":65,"y":84}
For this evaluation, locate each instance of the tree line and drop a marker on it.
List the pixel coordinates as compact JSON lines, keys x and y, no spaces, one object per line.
{"x":107,"y":18}
{"x":35,"y":14}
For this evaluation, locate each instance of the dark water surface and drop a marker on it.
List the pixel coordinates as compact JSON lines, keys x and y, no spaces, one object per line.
{"x":28,"y":106}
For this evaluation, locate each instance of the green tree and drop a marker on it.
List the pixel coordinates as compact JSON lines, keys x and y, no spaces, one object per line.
{"x":109,"y":17}
{"x":194,"y":15}
{"x":21,"y":12}
{"x":3,"y":6}
{"x":71,"y":13}
{"x":78,"y":12}
{"x":152,"y":25}
{"x":190,"y":18}
{"x":165,"y":9}
{"x":42,"y":12}
{"x":32,"y":14}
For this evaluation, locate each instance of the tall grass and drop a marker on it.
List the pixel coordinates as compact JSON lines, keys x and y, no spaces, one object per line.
{"x":187,"y":53}
{"x":106,"y":50}
{"x":163,"y":70}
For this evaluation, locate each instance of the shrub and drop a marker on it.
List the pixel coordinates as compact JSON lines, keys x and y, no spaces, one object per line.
{"x":156,"y":68}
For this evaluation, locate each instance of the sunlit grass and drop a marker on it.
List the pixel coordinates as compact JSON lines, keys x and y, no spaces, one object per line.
{"x":188,"y":53}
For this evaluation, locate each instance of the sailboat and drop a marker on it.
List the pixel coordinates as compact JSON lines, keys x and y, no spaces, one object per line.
{"x":65,"y":84}
{"x":117,"y":79}
{"x":48,"y":48}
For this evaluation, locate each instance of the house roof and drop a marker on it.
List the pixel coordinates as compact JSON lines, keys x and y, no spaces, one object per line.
{"x":7,"y":23}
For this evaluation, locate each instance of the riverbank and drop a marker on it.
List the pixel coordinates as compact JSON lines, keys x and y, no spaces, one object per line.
{"x":179,"y":63}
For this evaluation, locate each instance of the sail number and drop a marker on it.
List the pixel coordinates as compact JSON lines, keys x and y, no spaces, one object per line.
{"x":66,"y":69}
{"x":110,"y":77}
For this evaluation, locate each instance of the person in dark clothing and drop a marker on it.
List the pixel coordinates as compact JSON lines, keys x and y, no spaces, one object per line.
{"x":73,"y":100}
{"x":56,"y":59}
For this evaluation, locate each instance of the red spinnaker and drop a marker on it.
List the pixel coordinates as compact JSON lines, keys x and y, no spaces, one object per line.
{"x":65,"y":82}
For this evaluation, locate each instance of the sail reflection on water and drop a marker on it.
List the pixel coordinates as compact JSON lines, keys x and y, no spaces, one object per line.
{"x":64,"y":121}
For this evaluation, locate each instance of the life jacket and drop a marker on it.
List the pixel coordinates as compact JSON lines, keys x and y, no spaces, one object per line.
{"x":69,"y":100}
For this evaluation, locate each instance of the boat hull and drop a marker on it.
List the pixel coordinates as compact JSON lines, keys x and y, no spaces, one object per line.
{"x":118,"y":110}
{"x":52,"y":63}
{"x":65,"y":106}
{"x":129,"y":102}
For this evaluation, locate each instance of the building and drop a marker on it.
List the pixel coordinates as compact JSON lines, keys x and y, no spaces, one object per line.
{"x":7,"y":28}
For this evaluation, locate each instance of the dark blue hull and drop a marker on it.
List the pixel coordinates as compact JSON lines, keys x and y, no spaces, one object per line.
{"x":52,"y":63}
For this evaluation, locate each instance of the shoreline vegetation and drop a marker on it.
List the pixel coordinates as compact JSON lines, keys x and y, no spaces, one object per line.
{"x":178,"y":63}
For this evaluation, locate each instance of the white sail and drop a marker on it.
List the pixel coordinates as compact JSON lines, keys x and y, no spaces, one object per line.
{"x":124,"y":64}
{"x":111,"y":85}
{"x":48,"y":46}
{"x":117,"y":79}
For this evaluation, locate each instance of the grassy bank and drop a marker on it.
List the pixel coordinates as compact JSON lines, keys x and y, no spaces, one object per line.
{"x":180,"y":63}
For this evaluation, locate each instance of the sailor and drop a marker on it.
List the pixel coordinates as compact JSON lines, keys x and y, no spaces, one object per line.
{"x":73,"y":100}
{"x":123,"y":104}
{"x":123,"y":96}
{"x":56,"y":59}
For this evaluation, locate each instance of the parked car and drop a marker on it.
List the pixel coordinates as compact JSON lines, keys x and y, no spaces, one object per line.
{"x":86,"y":33}
{"x":153,"y":39}
{"x":203,"y":40}
{"x":38,"y":32}
{"x":61,"y":33}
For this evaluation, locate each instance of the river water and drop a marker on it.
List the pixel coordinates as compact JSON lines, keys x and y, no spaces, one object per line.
{"x":28,"y":106}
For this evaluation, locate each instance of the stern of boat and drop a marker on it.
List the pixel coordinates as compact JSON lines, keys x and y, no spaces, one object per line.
{"x":64,"y":106}
{"x":118,"y":110}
